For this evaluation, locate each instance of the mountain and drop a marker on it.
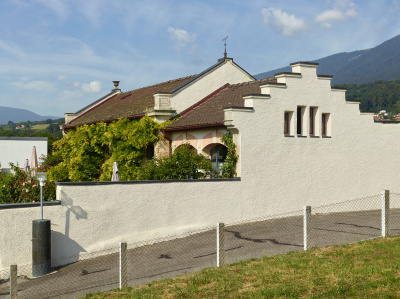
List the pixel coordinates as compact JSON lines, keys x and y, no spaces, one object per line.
{"x":379,"y":63}
{"x":17,"y":115}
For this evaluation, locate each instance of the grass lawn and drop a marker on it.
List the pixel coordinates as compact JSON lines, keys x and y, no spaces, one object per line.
{"x":40,"y":127}
{"x":361,"y":270}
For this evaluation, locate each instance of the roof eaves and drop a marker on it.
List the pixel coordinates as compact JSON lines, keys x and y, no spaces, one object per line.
{"x":69,"y":126}
{"x":192,"y":127}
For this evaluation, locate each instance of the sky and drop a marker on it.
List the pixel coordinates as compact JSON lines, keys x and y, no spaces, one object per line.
{"x":57,"y":56}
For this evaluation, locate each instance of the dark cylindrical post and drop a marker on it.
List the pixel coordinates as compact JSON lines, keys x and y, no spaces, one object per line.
{"x":41,"y":247}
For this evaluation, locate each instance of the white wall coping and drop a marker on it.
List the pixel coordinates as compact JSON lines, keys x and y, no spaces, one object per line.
{"x":143,"y":182}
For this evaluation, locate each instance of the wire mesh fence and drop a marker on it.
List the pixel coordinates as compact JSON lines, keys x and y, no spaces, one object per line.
{"x":140,"y":263}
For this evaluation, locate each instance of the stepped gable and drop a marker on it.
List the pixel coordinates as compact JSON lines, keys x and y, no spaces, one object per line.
{"x":209,"y":111}
{"x":130,"y":104}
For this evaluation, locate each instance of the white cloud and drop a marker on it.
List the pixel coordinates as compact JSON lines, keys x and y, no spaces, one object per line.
{"x":283,"y":22}
{"x":92,"y":87}
{"x":182,"y":38}
{"x":62,"y":78}
{"x":34,"y":85}
{"x":342,"y":10}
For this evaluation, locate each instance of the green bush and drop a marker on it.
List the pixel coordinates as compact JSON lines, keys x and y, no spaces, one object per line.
{"x":88,"y":152}
{"x":19,"y":187}
{"x":183,"y":163}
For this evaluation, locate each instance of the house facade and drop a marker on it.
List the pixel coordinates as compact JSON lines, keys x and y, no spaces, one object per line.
{"x":303,"y":116}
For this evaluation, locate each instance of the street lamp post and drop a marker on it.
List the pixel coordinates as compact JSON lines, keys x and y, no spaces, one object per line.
{"x":41,"y":238}
{"x":41,"y":176}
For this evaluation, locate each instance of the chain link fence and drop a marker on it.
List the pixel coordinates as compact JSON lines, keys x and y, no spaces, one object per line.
{"x":140,"y":263}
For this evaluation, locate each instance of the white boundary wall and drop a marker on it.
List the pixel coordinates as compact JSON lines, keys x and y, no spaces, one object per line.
{"x":18,"y":149}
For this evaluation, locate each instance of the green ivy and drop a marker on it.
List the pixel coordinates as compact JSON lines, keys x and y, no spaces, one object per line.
{"x":229,"y":167}
{"x":87,"y":153}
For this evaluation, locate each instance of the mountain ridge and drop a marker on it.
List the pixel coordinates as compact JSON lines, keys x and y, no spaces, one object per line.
{"x":17,"y":115}
{"x":361,"y":66}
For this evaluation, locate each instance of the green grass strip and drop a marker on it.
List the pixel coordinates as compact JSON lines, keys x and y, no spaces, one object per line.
{"x":362,"y":270}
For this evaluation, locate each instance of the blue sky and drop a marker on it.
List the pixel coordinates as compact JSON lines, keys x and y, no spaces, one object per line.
{"x":58,"y":56}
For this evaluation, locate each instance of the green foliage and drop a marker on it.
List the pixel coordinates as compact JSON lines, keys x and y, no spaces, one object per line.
{"x":53,"y":128}
{"x":375,"y":96}
{"x":229,"y":167}
{"x":88,"y":152}
{"x":19,"y":187}
{"x":183,"y":163}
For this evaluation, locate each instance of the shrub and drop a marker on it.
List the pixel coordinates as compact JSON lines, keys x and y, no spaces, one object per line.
{"x":183,"y":163}
{"x":88,"y":152}
{"x":19,"y":187}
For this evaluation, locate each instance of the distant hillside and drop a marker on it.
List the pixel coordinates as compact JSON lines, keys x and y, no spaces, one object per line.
{"x":379,"y":63}
{"x":17,"y":115}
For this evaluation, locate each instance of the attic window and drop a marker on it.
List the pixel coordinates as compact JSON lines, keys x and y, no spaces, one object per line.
{"x":124,"y":97}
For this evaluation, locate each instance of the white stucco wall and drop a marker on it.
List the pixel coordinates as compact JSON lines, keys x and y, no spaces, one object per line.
{"x":227,"y":72}
{"x":296,"y":171}
{"x":18,"y":149}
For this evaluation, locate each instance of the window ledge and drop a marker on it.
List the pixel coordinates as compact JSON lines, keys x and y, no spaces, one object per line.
{"x":286,"y":135}
{"x":326,"y":136}
{"x":301,"y":136}
{"x":314,"y":136}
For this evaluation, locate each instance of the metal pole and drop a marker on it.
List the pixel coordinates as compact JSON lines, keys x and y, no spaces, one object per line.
{"x":385,"y":213}
{"x":123,"y":265}
{"x":41,"y":199}
{"x":220,"y":244}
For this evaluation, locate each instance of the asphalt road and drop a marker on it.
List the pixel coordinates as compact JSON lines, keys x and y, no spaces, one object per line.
{"x":189,"y":254}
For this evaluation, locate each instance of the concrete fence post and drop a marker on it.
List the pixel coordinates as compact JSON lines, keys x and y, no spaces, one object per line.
{"x":307,"y":226}
{"x":220,"y":244}
{"x":385,"y":213}
{"x":13,"y":281}
{"x":123,"y":265}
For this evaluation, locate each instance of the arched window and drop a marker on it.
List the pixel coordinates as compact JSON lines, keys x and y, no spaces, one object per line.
{"x":218,"y":155}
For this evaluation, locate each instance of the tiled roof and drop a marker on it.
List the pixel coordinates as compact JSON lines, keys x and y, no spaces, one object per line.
{"x":130,"y":104}
{"x":209,"y":111}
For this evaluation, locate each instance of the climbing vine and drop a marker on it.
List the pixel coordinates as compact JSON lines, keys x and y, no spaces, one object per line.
{"x":87,"y":153}
{"x":229,"y":167}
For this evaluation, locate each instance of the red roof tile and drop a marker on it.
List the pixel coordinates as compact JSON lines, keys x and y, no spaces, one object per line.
{"x":130,"y":104}
{"x":209,"y":111}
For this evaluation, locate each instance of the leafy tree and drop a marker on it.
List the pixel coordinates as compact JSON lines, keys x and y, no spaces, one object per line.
{"x":53,"y":128}
{"x":11,"y":125}
{"x":183,"y":163}
{"x":87,"y":153}
{"x":375,"y":96}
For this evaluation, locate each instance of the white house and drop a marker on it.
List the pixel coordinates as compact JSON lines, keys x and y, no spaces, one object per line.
{"x":300,"y":142}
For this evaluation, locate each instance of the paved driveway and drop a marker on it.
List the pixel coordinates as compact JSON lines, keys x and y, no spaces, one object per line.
{"x":189,"y":254}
